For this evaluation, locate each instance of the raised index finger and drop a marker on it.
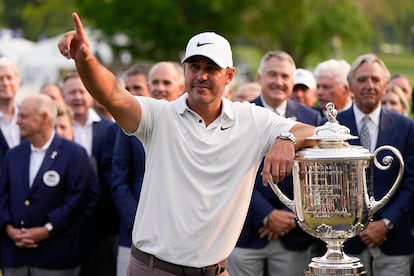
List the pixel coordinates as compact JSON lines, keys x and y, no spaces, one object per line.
{"x":78,"y":26}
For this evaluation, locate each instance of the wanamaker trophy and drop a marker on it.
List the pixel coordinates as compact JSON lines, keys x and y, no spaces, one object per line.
{"x":331,"y":199}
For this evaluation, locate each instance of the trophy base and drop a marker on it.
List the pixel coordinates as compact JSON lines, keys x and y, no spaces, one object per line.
{"x":350,"y":266}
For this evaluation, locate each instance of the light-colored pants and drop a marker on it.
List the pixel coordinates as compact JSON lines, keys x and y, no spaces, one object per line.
{"x":35,"y":271}
{"x":124,"y":254}
{"x":280,"y":261}
{"x":376,"y":263}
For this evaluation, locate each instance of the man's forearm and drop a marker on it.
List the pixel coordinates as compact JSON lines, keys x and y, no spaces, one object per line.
{"x":98,"y":80}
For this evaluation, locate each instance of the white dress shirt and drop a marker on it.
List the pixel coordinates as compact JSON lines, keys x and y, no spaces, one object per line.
{"x":10,"y":129}
{"x":36,"y":158}
{"x":83,"y":133}
{"x":372,"y":124}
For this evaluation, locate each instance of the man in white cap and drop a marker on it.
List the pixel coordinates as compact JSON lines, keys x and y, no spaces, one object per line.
{"x":202,"y":156}
{"x":304,"y":88}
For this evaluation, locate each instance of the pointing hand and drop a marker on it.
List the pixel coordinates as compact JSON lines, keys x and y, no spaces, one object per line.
{"x":75,"y":44}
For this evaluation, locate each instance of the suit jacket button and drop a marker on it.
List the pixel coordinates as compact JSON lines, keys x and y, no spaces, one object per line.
{"x":27,"y":202}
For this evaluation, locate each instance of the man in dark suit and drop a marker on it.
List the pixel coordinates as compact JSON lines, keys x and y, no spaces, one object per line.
{"x":385,"y":246}
{"x":97,"y":135}
{"x":42,"y":199}
{"x":270,"y":236}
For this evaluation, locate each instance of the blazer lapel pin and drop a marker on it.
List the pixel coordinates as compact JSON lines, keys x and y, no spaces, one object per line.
{"x":54,"y":154}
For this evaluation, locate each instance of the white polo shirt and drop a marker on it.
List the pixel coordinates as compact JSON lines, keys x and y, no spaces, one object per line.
{"x":198,"y":180}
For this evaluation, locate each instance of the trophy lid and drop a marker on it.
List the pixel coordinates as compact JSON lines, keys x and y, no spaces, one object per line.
{"x":332,"y":139}
{"x":332,"y":131}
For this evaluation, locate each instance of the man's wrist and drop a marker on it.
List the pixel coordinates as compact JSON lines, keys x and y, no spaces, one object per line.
{"x":388,"y":223}
{"x":287,"y":136}
{"x":265,"y":220}
{"x":49,"y":227}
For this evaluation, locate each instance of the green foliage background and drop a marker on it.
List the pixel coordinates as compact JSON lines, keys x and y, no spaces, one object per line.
{"x":310,"y":30}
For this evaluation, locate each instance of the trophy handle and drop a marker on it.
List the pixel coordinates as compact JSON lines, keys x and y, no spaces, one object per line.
{"x":283,"y":198}
{"x":374,"y":205}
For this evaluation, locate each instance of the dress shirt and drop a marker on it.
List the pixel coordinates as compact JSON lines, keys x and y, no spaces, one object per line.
{"x":83,"y":133}
{"x":372,"y":124}
{"x":36,"y":158}
{"x":10,"y":129}
{"x":280,"y":110}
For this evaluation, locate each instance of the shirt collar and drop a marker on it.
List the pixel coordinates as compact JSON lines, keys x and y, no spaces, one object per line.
{"x":374,"y":115}
{"x":180,"y":104}
{"x":15,"y":112}
{"x":227,"y":114}
{"x":45,"y":146}
{"x":280,"y":110}
{"x":93,"y":116}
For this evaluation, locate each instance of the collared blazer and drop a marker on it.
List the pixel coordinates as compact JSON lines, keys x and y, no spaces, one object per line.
{"x":4,"y":147}
{"x":397,"y":131}
{"x":58,"y":195}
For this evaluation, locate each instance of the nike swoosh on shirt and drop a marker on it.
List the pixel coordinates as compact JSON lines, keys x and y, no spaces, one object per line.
{"x":202,"y":44}
{"x":224,"y":128}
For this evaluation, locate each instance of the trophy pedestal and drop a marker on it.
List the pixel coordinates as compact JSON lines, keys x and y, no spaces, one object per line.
{"x":346,"y":266}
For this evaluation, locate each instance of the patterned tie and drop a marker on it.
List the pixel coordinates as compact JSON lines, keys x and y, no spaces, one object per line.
{"x":365,"y":137}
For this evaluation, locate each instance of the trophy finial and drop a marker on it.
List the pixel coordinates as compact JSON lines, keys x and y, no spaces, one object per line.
{"x":331,"y":113}
{"x":332,"y":133}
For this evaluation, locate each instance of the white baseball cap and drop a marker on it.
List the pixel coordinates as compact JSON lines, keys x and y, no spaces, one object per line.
{"x":304,"y":77}
{"x":212,"y":46}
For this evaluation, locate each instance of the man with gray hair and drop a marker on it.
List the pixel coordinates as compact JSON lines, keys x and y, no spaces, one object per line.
{"x":385,"y":245}
{"x":331,"y":84}
{"x":42,"y":198}
{"x":9,"y":85}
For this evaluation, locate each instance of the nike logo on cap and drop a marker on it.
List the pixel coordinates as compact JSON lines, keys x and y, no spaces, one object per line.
{"x":202,"y":44}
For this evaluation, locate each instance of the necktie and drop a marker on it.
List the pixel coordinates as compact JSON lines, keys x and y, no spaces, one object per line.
{"x":365,"y":137}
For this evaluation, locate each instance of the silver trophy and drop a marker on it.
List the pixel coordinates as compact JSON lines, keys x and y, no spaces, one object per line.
{"x":331,"y":199}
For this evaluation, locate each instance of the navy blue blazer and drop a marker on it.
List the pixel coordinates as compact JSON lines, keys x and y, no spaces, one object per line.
{"x":397,"y":131}
{"x":58,"y":195}
{"x":106,"y":218}
{"x":264,"y":200}
{"x":128,"y":166}
{"x":4,"y":147}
